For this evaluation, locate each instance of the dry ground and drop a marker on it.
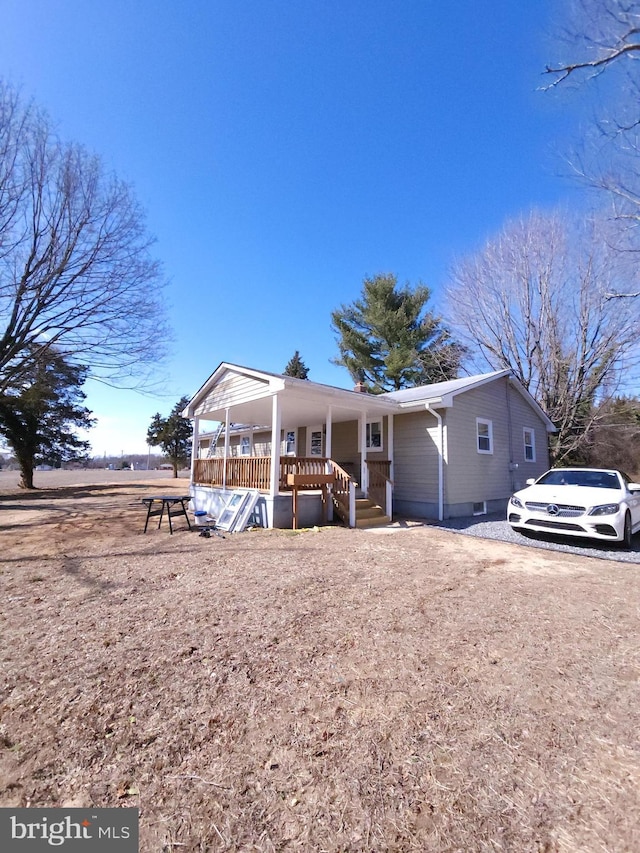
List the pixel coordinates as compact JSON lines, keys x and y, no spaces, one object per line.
{"x":321,"y":691}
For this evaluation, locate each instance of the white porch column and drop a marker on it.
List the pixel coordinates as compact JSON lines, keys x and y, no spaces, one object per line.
{"x":327,"y":453}
{"x":329,"y":433}
{"x":195,"y":444}
{"x":226,"y":448}
{"x":276,"y":418}
{"x":364,"y":485}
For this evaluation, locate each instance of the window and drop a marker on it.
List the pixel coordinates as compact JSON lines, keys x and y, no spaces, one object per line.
{"x":484,"y":435}
{"x":315,"y":441}
{"x":245,"y":446}
{"x":374,"y":435}
{"x":290,"y":443}
{"x":529,"y":444}
{"x":480,"y":508}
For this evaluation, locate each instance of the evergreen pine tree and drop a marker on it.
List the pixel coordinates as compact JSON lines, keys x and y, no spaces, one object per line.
{"x":388,"y":340}
{"x":296,"y":367}
{"x":173,"y":435}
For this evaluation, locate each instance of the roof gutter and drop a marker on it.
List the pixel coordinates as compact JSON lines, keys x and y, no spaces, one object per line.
{"x":438,"y":417}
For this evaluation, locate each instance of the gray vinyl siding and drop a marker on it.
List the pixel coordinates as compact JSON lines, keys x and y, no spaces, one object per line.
{"x":522,"y":415}
{"x":473,"y":477}
{"x":416,"y":458}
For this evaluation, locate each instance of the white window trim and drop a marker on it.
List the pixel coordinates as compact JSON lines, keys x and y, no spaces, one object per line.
{"x":284,"y":450}
{"x":489,"y":424}
{"x":246,"y":437}
{"x":310,"y":431}
{"x":532,"y":445}
{"x":368,"y":447}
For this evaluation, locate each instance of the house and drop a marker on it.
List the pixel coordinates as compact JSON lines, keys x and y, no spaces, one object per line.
{"x":448,"y":449}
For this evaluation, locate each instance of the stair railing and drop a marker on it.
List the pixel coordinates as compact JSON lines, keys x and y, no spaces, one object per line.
{"x":380,"y":484}
{"x":343,"y":493}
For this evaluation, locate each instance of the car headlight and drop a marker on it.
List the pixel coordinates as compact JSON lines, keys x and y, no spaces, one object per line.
{"x":517,"y":502}
{"x":605,"y":509}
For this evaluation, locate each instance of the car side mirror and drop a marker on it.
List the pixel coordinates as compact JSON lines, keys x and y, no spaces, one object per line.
{"x":634,"y":487}
{"x":531,"y":481}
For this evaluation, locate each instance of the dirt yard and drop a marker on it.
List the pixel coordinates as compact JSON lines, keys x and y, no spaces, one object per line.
{"x":328,"y":690}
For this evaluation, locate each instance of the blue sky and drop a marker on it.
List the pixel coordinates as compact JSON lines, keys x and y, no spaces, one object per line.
{"x":285,"y":150}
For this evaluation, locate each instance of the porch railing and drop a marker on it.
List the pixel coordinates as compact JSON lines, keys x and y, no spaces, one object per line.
{"x":380,"y":489}
{"x":300,"y":465}
{"x":243,"y":472}
{"x":253,"y":472}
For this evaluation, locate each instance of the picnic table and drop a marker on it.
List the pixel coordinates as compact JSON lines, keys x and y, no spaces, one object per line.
{"x":173,"y":504}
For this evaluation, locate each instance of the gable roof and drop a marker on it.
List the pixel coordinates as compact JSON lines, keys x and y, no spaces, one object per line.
{"x":441,"y":394}
{"x":249,"y":393}
{"x":442,"y":390}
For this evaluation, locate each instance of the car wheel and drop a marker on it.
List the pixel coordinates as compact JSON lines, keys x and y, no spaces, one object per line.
{"x":627,"y":535}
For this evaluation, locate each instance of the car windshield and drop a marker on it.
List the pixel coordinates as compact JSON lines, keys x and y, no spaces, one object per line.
{"x":592,"y":479}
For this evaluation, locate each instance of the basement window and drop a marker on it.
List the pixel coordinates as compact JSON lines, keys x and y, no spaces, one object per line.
{"x":480,"y":508}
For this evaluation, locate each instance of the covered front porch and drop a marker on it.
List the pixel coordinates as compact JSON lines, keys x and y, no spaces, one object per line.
{"x":327,"y":452}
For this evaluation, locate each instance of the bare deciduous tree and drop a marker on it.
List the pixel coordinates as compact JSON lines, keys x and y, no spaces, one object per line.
{"x":534,"y":300}
{"x":76,"y":271}
{"x":604,"y":33}
{"x":601,"y":47}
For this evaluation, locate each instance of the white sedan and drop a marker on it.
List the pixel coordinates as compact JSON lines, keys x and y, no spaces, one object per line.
{"x":598,"y":503}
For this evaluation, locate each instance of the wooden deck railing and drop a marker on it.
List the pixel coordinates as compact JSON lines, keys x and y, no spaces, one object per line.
{"x":344,"y":494}
{"x":243,"y":472}
{"x":300,"y":465}
{"x":253,"y":472}
{"x":380,"y":485}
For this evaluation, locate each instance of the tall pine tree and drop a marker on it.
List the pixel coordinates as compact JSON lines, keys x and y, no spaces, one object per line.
{"x":173,"y":435}
{"x":296,"y":367}
{"x":389,"y":340}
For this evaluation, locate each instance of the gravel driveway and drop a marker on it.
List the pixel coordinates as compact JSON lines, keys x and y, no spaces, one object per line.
{"x":494,"y":526}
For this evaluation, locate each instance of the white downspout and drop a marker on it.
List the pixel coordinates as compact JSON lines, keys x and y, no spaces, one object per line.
{"x":440,"y":462}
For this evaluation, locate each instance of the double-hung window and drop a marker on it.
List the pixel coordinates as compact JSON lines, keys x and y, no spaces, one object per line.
{"x":484,"y":435}
{"x":289,"y":443}
{"x":374,"y":435}
{"x":529,"y":439}
{"x":314,"y":439}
